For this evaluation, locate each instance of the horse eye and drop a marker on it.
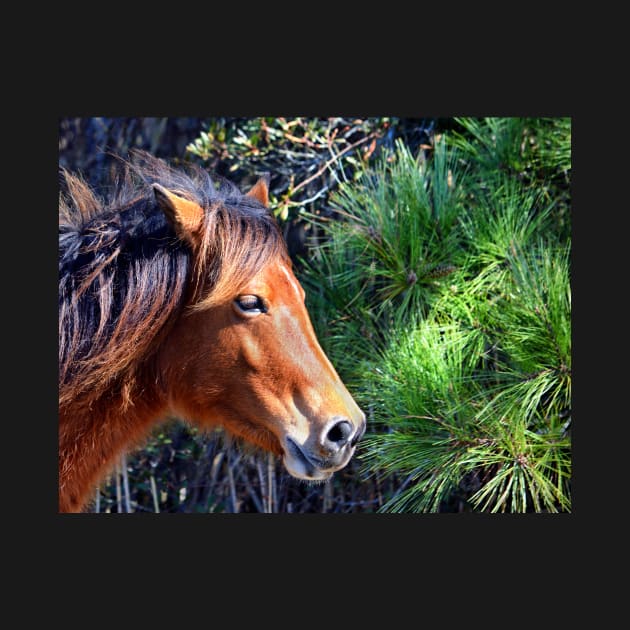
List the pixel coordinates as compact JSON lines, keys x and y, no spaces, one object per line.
{"x":250,"y":304}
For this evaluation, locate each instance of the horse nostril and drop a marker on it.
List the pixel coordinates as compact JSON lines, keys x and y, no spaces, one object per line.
{"x":338,"y":434}
{"x":359,"y":434}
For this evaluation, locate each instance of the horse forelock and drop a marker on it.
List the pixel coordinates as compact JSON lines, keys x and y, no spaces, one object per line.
{"x":239,"y":237}
{"x":123,"y":275}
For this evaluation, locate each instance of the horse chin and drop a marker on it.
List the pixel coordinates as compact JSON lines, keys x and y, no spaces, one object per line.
{"x":299,"y":465}
{"x":297,"y":469}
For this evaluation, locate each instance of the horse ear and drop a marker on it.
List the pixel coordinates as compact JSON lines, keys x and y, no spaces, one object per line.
{"x":260,"y":190}
{"x":185,"y":216}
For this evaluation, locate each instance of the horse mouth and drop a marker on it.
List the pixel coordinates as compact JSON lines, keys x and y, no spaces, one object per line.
{"x":303,"y":465}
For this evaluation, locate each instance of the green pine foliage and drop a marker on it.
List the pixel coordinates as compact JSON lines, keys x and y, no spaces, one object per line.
{"x":443,"y":297}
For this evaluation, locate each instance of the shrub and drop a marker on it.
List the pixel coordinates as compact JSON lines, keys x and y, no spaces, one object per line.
{"x":444,"y":299}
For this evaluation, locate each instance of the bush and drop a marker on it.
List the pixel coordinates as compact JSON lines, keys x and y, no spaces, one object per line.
{"x":444,"y":300}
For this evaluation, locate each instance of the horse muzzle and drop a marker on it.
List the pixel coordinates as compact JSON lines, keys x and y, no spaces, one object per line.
{"x":320,"y":456}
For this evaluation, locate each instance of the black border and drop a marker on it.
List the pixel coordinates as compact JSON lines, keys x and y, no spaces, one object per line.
{"x":441,"y":543}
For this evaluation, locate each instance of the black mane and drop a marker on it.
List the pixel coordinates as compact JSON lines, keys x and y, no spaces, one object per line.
{"x":128,"y":219}
{"x":123,"y":272}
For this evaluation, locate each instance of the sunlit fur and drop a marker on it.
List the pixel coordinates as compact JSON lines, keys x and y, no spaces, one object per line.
{"x":124,"y":280}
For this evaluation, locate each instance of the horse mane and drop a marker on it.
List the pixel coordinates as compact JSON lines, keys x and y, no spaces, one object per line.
{"x":124,"y":276}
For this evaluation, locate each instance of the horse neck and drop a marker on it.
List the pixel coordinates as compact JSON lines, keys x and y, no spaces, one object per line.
{"x":109,"y":406}
{"x":93,"y":437}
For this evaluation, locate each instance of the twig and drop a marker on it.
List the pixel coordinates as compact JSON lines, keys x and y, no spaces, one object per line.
{"x":374,"y":134}
{"x":201,"y":472}
{"x":118,"y":490}
{"x":242,"y":474}
{"x":305,"y":141}
{"x":327,"y":502}
{"x":214,"y":473}
{"x":316,"y":196}
{"x":230,"y":465}
{"x":154,"y":494}
{"x":271,"y":474}
{"x":125,"y":476}
{"x":263,"y":485}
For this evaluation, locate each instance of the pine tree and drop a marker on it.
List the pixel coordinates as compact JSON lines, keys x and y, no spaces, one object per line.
{"x":443,"y":297}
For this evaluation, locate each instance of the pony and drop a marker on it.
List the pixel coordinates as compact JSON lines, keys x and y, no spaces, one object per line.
{"x":178,"y":299}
